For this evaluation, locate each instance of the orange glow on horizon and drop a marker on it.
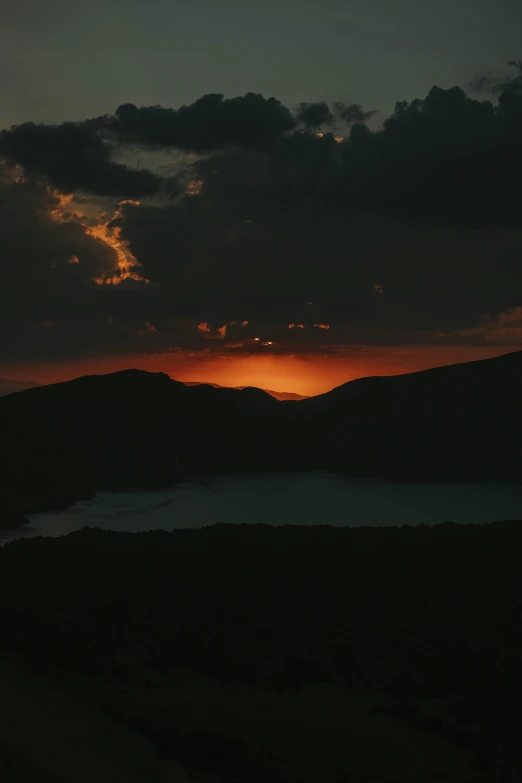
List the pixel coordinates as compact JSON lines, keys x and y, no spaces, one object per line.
{"x":305,"y":374}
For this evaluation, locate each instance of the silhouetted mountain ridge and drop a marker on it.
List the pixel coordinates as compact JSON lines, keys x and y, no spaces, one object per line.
{"x":290,"y":396}
{"x":461,"y":421}
{"x":466,"y":372}
{"x":9,"y":386}
{"x":65,"y":441}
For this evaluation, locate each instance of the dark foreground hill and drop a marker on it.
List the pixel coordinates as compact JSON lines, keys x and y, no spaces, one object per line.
{"x":216,"y":644}
{"x":63,"y":442}
{"x":458,"y":422}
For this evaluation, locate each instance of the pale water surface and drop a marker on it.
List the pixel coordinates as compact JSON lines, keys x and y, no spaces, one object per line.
{"x":283,"y":498}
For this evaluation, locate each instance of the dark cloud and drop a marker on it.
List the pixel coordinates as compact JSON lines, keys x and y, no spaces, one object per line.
{"x":39,"y":252}
{"x":352,"y":112}
{"x":445,"y":157}
{"x":79,"y":156}
{"x":401,"y":235}
{"x":313,"y":115}
{"x":266,"y":268}
{"x":73,"y":158}
{"x":210,"y":123}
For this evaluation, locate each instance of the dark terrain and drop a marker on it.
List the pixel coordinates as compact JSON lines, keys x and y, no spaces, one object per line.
{"x":65,"y":441}
{"x":244,"y":653}
{"x":252,"y":653}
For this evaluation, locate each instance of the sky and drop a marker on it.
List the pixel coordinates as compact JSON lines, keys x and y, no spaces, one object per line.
{"x":282,"y":194}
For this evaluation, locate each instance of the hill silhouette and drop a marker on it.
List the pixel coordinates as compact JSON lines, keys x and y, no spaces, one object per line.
{"x":283,"y":396}
{"x":64,"y":441}
{"x":460,"y":421}
{"x":8,"y":386}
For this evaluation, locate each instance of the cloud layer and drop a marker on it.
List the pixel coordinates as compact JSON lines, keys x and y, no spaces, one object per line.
{"x":268,"y":219}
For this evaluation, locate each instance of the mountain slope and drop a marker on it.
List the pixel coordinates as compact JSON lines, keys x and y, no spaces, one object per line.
{"x":453,"y":377}
{"x":64,"y":441}
{"x":460,"y":421}
{"x":8,"y":386}
{"x":282,"y":396}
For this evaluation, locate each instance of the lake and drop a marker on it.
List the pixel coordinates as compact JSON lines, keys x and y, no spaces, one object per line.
{"x":283,"y":498}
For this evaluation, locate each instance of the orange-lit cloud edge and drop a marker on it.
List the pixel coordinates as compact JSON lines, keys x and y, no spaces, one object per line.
{"x":307,"y":374}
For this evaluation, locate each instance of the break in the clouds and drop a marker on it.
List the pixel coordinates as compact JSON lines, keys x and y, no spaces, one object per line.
{"x":410,"y":233}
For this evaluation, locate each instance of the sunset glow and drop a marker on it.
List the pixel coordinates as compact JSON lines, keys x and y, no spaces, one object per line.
{"x":260,"y":391}
{"x":304,"y":374}
{"x":243,"y":241}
